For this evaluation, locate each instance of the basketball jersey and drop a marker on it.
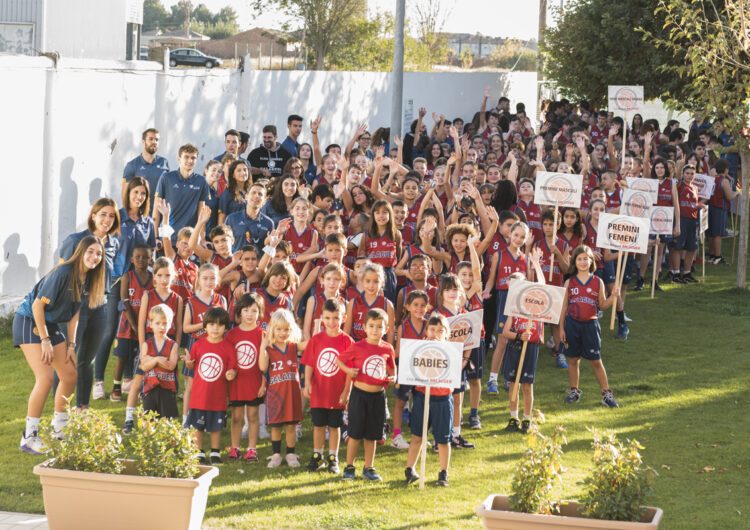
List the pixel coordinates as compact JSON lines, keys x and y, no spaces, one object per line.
{"x":299,"y":243}
{"x":717,"y":200}
{"x":381,"y":250}
{"x":359,"y":311}
{"x":249,"y":288}
{"x":246,"y":385}
{"x":184,"y":280}
{"x":223,"y":289}
{"x":533,"y":217}
{"x":590,"y":241}
{"x":408,"y":331}
{"x":506,"y":266}
{"x":173,"y":301}
{"x":613,"y":199}
{"x":158,"y":376}
{"x":520,"y":325}
{"x":688,"y":197}
{"x":198,"y":307}
{"x":544,"y":261}
{"x":407,"y":235}
{"x":283,"y":398}
{"x":497,"y":244}
{"x":271,"y":305}
{"x":665,"y":193}
{"x":455,"y":260}
{"x":328,"y":380}
{"x":583,"y":298}
{"x":573,"y":243}
{"x":135,"y":294}
{"x":320,"y":300}
{"x":412,"y":213}
{"x":431,"y":291}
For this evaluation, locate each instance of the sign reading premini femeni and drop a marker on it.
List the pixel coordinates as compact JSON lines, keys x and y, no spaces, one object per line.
{"x":635,"y":203}
{"x":467,"y":327}
{"x":622,"y":232}
{"x":662,"y":220}
{"x":534,"y":301}
{"x":650,"y":186}
{"x":430,"y":363}
{"x":558,"y":189}
{"x":625,"y":98}
{"x":704,"y":184}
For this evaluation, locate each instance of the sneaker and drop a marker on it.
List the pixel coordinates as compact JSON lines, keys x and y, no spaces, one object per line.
{"x":398,"y":442}
{"x":411,"y":475}
{"x":676,"y":278}
{"x":292,"y":460}
{"x":233,"y":454}
{"x":639,"y":283}
{"x":215,"y":458}
{"x":333,"y":464}
{"x":405,"y":417}
{"x":622,"y":331}
{"x":688,"y":278}
{"x":657,"y":287}
{"x":513,"y":425}
{"x":349,"y":473}
{"x":251,"y":456}
{"x":492,"y":388}
{"x":31,"y":444}
{"x":720,"y":261}
{"x":59,"y":434}
{"x":474,"y":422}
{"x":626,"y":317}
{"x":201,"y":457}
{"x":127,"y":427}
{"x":442,"y":478}
{"x":370,"y":474}
{"x":561,"y":361}
{"x":116,"y":394}
{"x":126,"y":386}
{"x":574,"y":396}
{"x":609,"y":400}
{"x":263,"y":433}
{"x":315,"y":462}
{"x":525,"y":424}
{"x":274,"y":460}
{"x":462,"y":443}
{"x":550,"y":343}
{"x":98,"y":391}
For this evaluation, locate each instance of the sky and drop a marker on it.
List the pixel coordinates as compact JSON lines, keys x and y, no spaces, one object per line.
{"x":494,"y":18}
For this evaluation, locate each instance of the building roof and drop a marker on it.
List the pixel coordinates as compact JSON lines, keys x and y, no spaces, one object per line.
{"x":248,"y":41}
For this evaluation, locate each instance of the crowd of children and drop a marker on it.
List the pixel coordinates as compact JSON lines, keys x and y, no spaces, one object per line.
{"x":280,"y":290}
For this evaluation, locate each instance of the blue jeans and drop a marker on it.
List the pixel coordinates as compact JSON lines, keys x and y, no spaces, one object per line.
{"x":110,"y":331}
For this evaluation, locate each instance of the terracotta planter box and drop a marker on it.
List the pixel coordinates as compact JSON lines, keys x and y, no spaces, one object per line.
{"x":495,"y":513}
{"x":82,"y":500}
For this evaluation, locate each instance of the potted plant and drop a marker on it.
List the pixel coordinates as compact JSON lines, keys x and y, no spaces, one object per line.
{"x":614,"y":498}
{"x":86,"y":483}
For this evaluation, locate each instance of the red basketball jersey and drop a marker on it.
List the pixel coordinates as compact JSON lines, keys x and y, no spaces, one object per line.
{"x":283,"y":400}
{"x":665,"y":193}
{"x":688,"y":196}
{"x":246,"y":385}
{"x":520,"y":325}
{"x":272,"y":304}
{"x":590,"y":241}
{"x":224,"y":289}
{"x":533,"y":214}
{"x":135,"y":294}
{"x":158,"y":376}
{"x":381,"y":250}
{"x":328,"y":380}
{"x":184,"y":280}
{"x":360,"y":309}
{"x":507,"y":266}
{"x":412,"y":212}
{"x":300,"y":242}
{"x":546,"y":259}
{"x":431,"y":291}
{"x":583,"y":298}
{"x":173,"y":301}
{"x":408,"y":331}
{"x":198,"y":307}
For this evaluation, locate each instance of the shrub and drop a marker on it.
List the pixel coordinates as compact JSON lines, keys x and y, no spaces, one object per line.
{"x":91,"y":442}
{"x":538,"y":472}
{"x":162,"y":447}
{"x":619,"y":483}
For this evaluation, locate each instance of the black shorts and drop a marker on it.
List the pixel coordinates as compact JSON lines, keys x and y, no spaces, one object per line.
{"x":366,"y":414}
{"x":206,"y":420}
{"x":249,"y":403}
{"x":333,"y":418}
{"x":163,"y":401}
{"x":25,"y":332}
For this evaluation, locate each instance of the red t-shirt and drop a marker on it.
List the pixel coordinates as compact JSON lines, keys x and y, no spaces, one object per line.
{"x":374,"y":361}
{"x":212,"y":361}
{"x":246,"y":385}
{"x":328,"y":379}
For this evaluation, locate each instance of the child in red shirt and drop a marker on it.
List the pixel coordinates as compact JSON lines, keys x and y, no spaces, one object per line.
{"x":247,"y":390}
{"x":278,"y":358}
{"x":158,"y":360}
{"x":324,"y":383}
{"x":213,"y":360}
{"x":370,"y":365}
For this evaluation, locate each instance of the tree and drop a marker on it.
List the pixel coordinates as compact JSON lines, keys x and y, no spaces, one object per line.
{"x":430,"y":17}
{"x":595,"y":44}
{"x":710,"y":51}
{"x":326,"y":21}
{"x":155,"y":15}
{"x":514,"y":55}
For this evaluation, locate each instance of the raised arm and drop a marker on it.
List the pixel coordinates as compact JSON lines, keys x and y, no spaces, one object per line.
{"x":483,"y":110}
{"x":166,"y":242}
{"x":316,"y":142}
{"x":203,"y":253}
{"x":361,"y":129}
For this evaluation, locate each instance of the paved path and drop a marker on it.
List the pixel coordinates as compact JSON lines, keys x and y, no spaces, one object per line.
{"x":18,"y":521}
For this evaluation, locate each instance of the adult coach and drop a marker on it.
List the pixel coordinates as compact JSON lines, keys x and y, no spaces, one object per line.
{"x":294,"y":126}
{"x":148,"y":164}
{"x":231,"y":144}
{"x":250,"y":226}
{"x":269,"y":158}
{"x":184,"y":190}
{"x":54,"y":301}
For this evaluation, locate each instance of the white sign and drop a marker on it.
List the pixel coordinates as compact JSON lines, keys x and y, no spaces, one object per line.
{"x":430,"y":363}
{"x":703,"y":219}
{"x":650,"y":186}
{"x":534,"y":301}
{"x":662,"y":220}
{"x":467,"y":326}
{"x":621,"y":232}
{"x":636,"y":203}
{"x":625,"y":98}
{"x":704,"y":184}
{"x":558,"y":189}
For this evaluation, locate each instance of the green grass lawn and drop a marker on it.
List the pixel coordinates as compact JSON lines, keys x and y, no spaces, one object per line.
{"x":681,"y":380}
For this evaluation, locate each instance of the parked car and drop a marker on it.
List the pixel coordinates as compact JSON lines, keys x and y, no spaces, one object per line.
{"x":191,"y":57}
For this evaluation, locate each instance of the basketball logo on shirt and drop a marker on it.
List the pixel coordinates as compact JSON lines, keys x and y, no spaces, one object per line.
{"x":374,"y":367}
{"x":327,"y":362}
{"x":210,"y":367}
{"x":247,"y":354}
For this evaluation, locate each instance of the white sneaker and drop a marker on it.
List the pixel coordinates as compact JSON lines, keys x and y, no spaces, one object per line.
{"x":263,"y":433}
{"x":275,"y":460}
{"x":98,"y":392}
{"x":399,"y":443}
{"x":292,"y":460}
{"x":31,"y":444}
{"x":550,"y":343}
{"x":126,"y":386}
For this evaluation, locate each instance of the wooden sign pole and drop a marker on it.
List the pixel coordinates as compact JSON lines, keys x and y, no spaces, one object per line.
{"x":653,"y":268}
{"x":551,"y":255}
{"x":617,"y":286}
{"x":425,"y":421}
{"x":517,"y":387}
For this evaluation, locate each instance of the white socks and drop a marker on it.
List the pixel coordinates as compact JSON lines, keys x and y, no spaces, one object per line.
{"x":514,"y":414}
{"x":32,"y":427}
{"x":59,"y":420}
{"x":129,"y":413}
{"x":493,"y":376}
